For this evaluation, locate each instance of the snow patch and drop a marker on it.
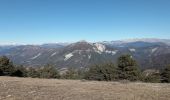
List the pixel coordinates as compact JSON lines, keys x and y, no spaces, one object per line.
{"x":53,"y":54}
{"x":36,"y":56}
{"x":97,"y":51}
{"x":100,"y":47}
{"x":132,"y":50}
{"x":153,"y":50}
{"x":89,"y":56}
{"x":68,"y":56}
{"x":111,"y":52}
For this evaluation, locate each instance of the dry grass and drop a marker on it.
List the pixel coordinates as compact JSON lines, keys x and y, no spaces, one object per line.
{"x":12,"y":88}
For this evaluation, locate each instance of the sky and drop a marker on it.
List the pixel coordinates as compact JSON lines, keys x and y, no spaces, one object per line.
{"x":49,"y":21}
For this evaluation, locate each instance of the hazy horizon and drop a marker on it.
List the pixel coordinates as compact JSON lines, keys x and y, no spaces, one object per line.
{"x":69,"y":42}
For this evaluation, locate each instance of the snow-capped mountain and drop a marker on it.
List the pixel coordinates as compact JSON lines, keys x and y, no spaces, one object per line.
{"x":148,"y":53}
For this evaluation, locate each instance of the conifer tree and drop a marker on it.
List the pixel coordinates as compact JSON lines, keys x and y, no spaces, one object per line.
{"x":127,"y":68}
{"x":6,"y":66}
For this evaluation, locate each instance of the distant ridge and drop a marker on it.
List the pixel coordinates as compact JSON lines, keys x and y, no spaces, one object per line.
{"x":149,"y":53}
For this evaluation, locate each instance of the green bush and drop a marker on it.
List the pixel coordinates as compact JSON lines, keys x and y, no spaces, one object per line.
{"x":104,"y":72}
{"x":74,"y":73}
{"x":20,"y":71}
{"x":49,"y":71}
{"x":152,"y":78}
{"x":165,"y":75}
{"x":71,"y":73}
{"x":1,"y":72}
{"x":33,"y":72}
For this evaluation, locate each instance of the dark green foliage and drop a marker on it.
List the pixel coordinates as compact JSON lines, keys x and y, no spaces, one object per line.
{"x":127,"y":68}
{"x":1,"y":72}
{"x":104,"y":72}
{"x":20,"y":71}
{"x":6,"y":66}
{"x":165,"y":75}
{"x":49,"y":71}
{"x":95,"y":73}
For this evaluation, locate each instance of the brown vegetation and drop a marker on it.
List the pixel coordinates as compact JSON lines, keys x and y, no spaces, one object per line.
{"x":12,"y":88}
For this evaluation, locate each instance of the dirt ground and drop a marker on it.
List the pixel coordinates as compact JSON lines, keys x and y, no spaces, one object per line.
{"x":12,"y":88}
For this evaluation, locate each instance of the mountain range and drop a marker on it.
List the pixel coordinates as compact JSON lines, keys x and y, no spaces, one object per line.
{"x":149,"y":53}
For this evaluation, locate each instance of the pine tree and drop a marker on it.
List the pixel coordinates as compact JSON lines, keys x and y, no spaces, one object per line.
{"x":127,"y":68}
{"x":165,"y":75}
{"x":6,"y":66}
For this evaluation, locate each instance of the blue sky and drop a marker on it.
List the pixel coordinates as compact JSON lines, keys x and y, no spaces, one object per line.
{"x":45,"y":21}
